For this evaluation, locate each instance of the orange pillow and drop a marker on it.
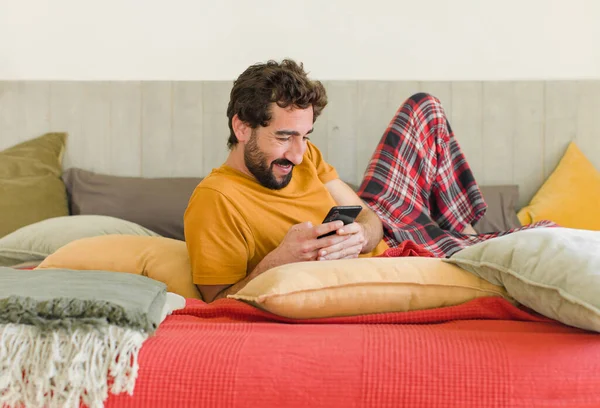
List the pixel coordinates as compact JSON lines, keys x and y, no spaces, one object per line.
{"x":163,"y":259}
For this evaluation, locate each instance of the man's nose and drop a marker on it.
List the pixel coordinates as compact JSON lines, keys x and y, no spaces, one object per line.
{"x":296,"y":152}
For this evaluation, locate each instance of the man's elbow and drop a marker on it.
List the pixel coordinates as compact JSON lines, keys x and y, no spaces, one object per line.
{"x":210,"y":293}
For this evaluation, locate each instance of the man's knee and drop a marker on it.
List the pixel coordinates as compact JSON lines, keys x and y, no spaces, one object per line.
{"x":421,"y":97}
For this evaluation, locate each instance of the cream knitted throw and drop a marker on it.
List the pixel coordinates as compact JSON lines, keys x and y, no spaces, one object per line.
{"x":70,"y":337}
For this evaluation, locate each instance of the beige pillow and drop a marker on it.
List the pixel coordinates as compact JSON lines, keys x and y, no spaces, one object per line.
{"x":36,"y":241}
{"x":163,"y":259}
{"x":31,"y":188}
{"x":308,"y":290}
{"x":554,"y":271}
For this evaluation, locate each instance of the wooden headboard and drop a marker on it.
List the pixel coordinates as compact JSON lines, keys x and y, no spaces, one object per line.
{"x":511,"y":132}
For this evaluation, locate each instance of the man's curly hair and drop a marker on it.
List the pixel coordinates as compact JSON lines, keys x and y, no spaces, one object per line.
{"x":285,"y":84}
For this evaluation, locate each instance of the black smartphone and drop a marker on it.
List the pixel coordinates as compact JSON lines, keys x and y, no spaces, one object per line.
{"x":345,"y":213}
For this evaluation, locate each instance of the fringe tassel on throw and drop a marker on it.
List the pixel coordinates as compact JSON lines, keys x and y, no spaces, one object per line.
{"x":65,"y":368}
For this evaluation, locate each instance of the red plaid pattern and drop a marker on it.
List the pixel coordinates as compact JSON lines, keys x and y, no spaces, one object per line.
{"x":420,"y":184}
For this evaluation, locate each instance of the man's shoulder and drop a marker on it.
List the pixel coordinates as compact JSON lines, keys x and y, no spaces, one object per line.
{"x":213,"y":187}
{"x":210,"y":198}
{"x":220,"y":180}
{"x":224,"y":187}
{"x":214,"y":181}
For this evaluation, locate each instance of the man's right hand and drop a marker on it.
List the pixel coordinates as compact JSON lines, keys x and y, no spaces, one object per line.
{"x":301,"y":243}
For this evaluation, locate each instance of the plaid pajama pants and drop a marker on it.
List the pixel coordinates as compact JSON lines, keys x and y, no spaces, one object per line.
{"x":420,"y":185}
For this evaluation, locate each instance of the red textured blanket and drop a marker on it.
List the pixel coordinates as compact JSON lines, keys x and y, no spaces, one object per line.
{"x":485,"y":353}
{"x":406,"y":248}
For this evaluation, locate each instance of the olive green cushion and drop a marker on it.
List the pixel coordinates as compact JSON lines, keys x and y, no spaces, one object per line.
{"x":31,"y":188}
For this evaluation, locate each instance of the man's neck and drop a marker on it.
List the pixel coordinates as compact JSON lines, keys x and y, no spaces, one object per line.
{"x":235,"y":160}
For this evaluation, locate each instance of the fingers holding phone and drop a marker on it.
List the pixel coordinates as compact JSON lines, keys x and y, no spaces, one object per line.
{"x":339,"y":236}
{"x":327,"y":229}
{"x":349,"y":229}
{"x":351,"y":247}
{"x":347,"y":249}
{"x":301,"y":243}
{"x":345,"y":213}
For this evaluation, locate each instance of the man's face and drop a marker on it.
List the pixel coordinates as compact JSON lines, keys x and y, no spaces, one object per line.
{"x":272,"y":152}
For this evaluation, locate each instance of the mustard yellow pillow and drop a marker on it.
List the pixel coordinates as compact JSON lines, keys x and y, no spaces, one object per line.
{"x":31,"y":188}
{"x":308,"y":290}
{"x":162,"y":259}
{"x":570,"y":197}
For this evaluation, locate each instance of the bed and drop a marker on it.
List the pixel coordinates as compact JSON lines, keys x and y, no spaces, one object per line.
{"x":485,"y":353}
{"x":478,"y":351}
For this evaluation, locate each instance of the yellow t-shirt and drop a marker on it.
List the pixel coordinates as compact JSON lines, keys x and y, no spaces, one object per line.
{"x":232,"y":222}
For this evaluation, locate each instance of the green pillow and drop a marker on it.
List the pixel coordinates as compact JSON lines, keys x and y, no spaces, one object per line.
{"x":31,"y":188}
{"x":36,"y":241}
{"x":554,"y":271}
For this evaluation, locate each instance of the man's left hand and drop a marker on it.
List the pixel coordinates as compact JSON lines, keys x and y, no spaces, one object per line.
{"x":347,"y":249}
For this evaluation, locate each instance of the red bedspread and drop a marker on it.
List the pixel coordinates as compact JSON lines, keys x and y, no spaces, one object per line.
{"x":485,"y":353}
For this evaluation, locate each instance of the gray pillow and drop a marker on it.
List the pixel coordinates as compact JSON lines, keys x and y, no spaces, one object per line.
{"x":155,"y":203}
{"x":36,"y":241}
{"x":501,"y":214}
{"x":554,"y":271}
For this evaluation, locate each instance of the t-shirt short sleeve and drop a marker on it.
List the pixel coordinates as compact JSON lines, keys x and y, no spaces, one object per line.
{"x":218,"y":238}
{"x":325,"y":171}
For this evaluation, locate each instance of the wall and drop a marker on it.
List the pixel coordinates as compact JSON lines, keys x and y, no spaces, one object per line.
{"x":512,"y":132}
{"x":337,"y":39}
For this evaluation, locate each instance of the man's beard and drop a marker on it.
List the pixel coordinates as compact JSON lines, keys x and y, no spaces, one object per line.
{"x":257,"y":165}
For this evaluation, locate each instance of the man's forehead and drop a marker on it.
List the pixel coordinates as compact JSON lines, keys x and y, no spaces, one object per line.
{"x":289,"y":119}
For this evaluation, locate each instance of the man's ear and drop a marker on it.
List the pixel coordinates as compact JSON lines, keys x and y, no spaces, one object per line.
{"x":241,"y":129}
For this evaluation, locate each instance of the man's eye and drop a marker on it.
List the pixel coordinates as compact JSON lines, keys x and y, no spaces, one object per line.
{"x":283,"y":139}
{"x":306,"y":138}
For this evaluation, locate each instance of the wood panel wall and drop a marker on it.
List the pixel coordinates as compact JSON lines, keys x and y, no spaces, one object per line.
{"x":511,"y":132}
